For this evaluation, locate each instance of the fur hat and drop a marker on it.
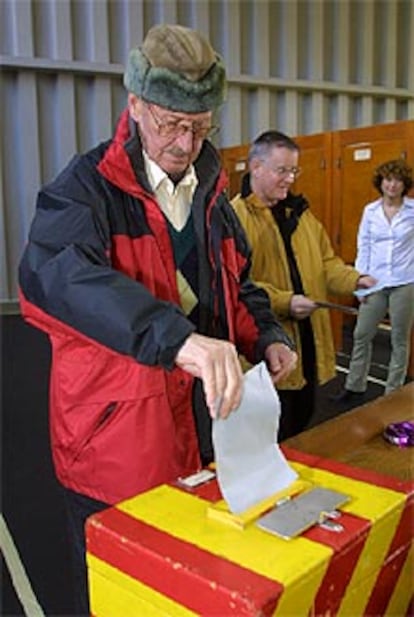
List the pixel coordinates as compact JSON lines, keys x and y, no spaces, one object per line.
{"x":176,"y":68}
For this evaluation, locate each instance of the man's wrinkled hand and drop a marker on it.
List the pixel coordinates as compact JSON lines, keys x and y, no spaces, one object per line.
{"x":301,"y":306}
{"x":280,"y":360}
{"x":217,"y":364}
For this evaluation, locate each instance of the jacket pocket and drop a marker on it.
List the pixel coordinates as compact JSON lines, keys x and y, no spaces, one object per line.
{"x":102,"y":422}
{"x":98,"y":376}
{"x":106,"y":414}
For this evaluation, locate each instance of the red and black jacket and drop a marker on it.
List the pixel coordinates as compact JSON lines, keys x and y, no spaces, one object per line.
{"x":98,"y":275}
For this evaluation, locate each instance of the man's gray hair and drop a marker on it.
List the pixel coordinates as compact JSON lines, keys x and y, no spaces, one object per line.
{"x":264,"y":144}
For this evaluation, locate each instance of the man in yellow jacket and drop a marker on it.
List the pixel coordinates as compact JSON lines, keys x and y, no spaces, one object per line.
{"x":293,"y":260}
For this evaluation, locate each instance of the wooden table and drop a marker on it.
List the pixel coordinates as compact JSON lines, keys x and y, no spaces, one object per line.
{"x":355,"y":437}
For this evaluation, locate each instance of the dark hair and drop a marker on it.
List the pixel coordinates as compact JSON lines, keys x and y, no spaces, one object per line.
{"x":264,"y":144}
{"x":395,"y":169}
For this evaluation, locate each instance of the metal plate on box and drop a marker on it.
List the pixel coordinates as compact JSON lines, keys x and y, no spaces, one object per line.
{"x":294,"y":516}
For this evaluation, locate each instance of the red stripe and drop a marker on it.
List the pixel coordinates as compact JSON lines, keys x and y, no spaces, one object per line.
{"x":348,"y":545}
{"x":393,"y":563}
{"x":153,"y":557}
{"x":405,"y":531}
{"x":344,"y":469}
{"x":385,"y":584}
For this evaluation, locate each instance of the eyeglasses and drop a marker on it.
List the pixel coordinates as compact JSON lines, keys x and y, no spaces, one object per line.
{"x":176,"y":128}
{"x":283,"y":171}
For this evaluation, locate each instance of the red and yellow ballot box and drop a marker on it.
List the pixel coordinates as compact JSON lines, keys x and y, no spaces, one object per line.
{"x":160,"y":553}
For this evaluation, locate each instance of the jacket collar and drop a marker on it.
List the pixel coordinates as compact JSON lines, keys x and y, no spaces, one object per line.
{"x":298,"y":203}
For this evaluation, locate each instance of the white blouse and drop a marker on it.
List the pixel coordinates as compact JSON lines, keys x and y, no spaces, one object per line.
{"x":385,"y":249}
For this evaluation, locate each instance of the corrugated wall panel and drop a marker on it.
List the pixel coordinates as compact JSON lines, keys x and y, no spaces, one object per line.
{"x":303,"y":66}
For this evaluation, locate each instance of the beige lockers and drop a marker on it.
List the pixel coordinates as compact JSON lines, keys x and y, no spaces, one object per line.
{"x":337,"y":173}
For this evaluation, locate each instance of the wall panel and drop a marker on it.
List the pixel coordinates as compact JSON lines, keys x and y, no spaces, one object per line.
{"x":303,"y":66}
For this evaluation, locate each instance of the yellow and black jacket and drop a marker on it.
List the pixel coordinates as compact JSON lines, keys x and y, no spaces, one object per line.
{"x":321,"y":272}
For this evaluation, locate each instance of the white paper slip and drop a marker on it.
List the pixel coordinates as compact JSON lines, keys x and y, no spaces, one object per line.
{"x":201,"y":477}
{"x":366,"y":291}
{"x":249,"y":463}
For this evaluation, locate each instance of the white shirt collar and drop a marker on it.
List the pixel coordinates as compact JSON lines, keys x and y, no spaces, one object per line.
{"x":156,"y":175}
{"x":174,"y":199}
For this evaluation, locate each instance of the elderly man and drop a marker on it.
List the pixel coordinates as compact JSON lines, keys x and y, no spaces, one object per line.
{"x":138,"y":270}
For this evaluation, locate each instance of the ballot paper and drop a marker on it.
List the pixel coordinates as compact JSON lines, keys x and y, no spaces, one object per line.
{"x":249,"y":463}
{"x":366,"y":291}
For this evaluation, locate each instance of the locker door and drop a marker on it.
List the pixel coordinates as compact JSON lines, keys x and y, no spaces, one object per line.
{"x":356,"y":154}
{"x":315,"y":180}
{"x":358,"y":162}
{"x":234,"y":161}
{"x":315,"y":183}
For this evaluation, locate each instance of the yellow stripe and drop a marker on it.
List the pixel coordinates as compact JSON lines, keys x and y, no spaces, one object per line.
{"x":220,"y":511}
{"x":115,"y":594}
{"x":297,"y":600}
{"x":404,"y":589}
{"x":383,"y":507}
{"x":357,"y":597}
{"x":368,"y":500}
{"x":184,"y":516}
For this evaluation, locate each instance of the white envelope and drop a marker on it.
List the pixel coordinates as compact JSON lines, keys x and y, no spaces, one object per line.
{"x":250,"y":464}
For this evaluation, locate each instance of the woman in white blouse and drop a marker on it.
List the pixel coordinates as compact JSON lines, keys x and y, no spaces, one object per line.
{"x":385,"y":250}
